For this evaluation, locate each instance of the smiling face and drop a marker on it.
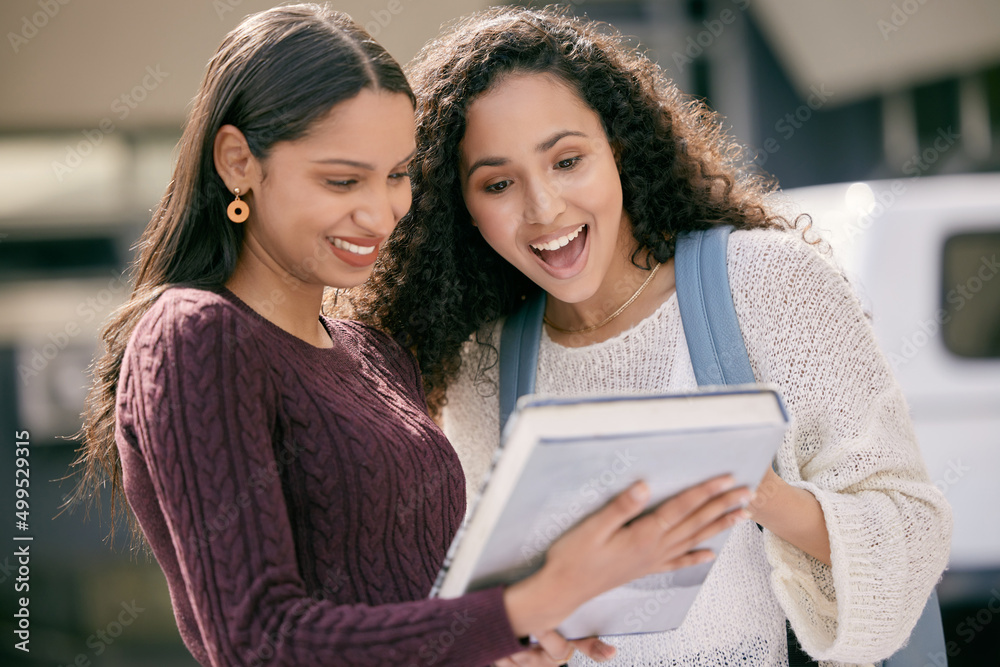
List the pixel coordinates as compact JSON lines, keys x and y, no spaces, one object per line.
{"x":322,"y":205}
{"x":541,"y":183}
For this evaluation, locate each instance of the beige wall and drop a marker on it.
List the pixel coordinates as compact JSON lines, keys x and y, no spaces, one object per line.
{"x":66,"y":64}
{"x":869,"y":47}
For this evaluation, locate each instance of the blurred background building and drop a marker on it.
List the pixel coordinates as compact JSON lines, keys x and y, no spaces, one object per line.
{"x":902,"y":96}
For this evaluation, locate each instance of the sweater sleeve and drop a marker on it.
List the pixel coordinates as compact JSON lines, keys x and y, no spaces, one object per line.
{"x":201,"y":412}
{"x":851,"y":444}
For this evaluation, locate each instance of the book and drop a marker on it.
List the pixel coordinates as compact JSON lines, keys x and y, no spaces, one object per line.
{"x":561,"y":459}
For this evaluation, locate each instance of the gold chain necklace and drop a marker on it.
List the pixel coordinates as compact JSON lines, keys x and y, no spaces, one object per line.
{"x":613,"y":315}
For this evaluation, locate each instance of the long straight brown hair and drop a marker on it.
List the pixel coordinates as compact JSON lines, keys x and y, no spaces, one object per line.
{"x":272,"y":77}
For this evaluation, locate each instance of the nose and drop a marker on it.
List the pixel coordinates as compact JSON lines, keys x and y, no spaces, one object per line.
{"x":544,"y":201}
{"x":375,"y":213}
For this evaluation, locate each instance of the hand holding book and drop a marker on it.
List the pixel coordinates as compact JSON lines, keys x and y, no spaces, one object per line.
{"x":617,"y":545}
{"x":554,"y":505}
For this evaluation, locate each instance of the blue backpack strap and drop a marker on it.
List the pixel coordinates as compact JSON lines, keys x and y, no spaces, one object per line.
{"x":711,"y":328}
{"x":719,"y":357}
{"x":519,"y":340}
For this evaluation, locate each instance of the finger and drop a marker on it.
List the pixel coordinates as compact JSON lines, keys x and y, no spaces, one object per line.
{"x":594,"y":648}
{"x":555,"y":646}
{"x":724,"y":522}
{"x":535,"y":657}
{"x":766,"y":490}
{"x":723,"y":511}
{"x":705,"y":515}
{"x":675,"y":510}
{"x":623,"y":508}
{"x":688,"y":559}
{"x":523,"y":658}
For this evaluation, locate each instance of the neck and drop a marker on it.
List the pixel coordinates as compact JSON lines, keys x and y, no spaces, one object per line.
{"x":623,"y":280}
{"x":281,"y":298}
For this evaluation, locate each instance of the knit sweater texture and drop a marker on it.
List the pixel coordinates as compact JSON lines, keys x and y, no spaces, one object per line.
{"x":299,"y":500}
{"x":850,"y":443}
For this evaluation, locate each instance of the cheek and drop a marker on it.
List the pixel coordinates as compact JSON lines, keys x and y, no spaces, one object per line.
{"x":602,"y":194}
{"x":492,"y":233}
{"x":607,"y":185}
{"x":483,"y":216}
{"x":499,"y":233}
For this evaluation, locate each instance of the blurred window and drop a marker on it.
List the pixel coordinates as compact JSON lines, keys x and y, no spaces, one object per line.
{"x":970,"y":294}
{"x":57,"y":257}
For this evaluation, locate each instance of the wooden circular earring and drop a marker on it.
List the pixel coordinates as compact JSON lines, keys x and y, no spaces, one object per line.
{"x":238,"y":210}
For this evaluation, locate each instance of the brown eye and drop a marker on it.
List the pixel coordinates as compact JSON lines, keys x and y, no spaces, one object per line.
{"x":498,"y":187}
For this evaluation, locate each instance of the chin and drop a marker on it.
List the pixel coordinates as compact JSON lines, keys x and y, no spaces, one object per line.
{"x":574,"y":290}
{"x":348,"y":281}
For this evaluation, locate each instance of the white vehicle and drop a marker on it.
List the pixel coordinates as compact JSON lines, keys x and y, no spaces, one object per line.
{"x":922,"y":253}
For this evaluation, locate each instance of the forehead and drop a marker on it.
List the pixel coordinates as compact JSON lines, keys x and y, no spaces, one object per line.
{"x":370,"y":123}
{"x":524,"y":108}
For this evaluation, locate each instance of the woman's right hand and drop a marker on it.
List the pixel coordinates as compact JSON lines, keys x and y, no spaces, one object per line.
{"x":612,"y":547}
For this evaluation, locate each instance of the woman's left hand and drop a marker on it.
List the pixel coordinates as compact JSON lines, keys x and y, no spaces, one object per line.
{"x":792,"y":514}
{"x":553,"y":650}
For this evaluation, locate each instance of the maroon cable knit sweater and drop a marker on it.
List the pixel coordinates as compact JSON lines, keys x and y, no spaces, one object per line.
{"x":299,"y":500}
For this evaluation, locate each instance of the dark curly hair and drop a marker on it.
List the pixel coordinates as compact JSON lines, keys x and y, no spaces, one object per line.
{"x":437,"y":281}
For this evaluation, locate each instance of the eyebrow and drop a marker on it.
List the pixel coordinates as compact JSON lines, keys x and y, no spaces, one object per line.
{"x":360,"y":165}
{"x":540,"y":148}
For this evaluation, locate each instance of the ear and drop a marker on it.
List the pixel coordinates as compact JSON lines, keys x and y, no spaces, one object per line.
{"x":234,"y":162}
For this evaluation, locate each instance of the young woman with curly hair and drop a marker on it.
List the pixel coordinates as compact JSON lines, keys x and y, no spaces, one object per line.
{"x":282,"y":465}
{"x":551,"y":157}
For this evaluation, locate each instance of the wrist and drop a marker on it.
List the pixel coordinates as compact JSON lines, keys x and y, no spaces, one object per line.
{"x":770,"y":497}
{"x":794,"y":515}
{"x":536,"y":604}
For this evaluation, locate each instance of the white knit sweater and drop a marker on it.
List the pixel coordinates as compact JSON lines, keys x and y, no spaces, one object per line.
{"x":850,"y":443}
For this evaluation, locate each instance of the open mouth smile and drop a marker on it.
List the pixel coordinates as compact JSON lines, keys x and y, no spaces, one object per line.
{"x":564,"y":255}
